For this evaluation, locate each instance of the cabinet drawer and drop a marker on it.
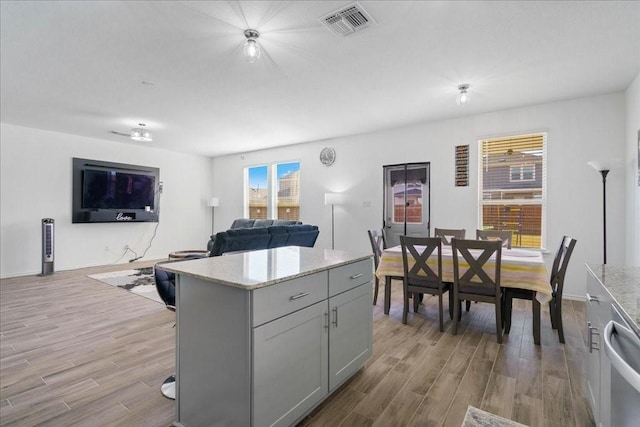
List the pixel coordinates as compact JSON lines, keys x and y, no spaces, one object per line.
{"x":349,"y":276}
{"x":275,"y":301}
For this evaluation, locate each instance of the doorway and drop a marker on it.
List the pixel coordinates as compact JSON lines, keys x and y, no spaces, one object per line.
{"x":407,"y":196}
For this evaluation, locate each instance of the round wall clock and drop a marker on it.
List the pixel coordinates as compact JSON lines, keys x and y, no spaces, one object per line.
{"x":327,"y":156}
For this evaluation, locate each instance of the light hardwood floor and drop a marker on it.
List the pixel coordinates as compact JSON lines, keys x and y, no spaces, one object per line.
{"x":75,"y":351}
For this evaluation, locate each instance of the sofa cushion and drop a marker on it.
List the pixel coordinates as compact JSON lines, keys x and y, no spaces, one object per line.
{"x":241,"y":239}
{"x":263,"y":223}
{"x":279,"y":236}
{"x":302,"y":235}
{"x":242,"y":223}
{"x":285,"y":222}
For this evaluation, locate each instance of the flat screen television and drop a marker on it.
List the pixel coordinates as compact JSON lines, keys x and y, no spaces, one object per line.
{"x":114,"y":192}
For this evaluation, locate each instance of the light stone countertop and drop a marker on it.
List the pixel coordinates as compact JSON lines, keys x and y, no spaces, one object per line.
{"x":623,"y":284}
{"x":257,"y":269}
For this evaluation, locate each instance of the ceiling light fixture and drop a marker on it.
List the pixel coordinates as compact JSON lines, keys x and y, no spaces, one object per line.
{"x":463,"y":97}
{"x":251,"y":47}
{"x":141,"y":134}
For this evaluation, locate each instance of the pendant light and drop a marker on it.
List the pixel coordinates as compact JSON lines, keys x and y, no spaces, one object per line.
{"x":251,"y":47}
{"x":463,"y":97}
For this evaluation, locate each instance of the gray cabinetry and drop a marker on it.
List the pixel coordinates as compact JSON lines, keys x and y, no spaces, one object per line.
{"x":598,"y":315}
{"x":266,"y":355}
{"x":290,"y":366}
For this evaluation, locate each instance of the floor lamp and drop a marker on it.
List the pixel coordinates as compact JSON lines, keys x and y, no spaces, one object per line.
{"x":332,"y":199}
{"x":604,"y":169}
{"x":213,"y":203}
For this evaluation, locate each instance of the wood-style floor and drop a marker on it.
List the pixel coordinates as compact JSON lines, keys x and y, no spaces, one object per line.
{"x":75,"y":351}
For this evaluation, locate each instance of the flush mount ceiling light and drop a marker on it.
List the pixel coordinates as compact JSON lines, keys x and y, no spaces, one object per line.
{"x":141,"y":134}
{"x":251,"y":47}
{"x":463,"y":97}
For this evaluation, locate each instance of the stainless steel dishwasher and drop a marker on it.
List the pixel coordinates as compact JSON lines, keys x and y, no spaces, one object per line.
{"x":622,"y":350}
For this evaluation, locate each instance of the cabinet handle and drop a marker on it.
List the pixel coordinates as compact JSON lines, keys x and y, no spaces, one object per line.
{"x":355,"y":276}
{"x":592,"y":298}
{"x":300,"y":295}
{"x":592,"y":344}
{"x":335,"y":314}
{"x":326,"y":320}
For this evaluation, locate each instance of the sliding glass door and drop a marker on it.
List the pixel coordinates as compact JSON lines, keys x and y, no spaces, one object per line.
{"x":406,"y":201}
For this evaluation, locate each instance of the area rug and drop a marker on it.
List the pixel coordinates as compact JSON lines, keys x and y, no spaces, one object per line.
{"x":139,"y":282}
{"x":478,"y":418}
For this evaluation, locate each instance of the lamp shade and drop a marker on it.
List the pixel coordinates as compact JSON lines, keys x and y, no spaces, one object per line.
{"x":213,"y":202}
{"x":604,"y":165}
{"x":332,"y":198}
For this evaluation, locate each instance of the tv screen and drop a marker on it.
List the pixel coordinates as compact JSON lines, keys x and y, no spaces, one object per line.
{"x":112,"y":189}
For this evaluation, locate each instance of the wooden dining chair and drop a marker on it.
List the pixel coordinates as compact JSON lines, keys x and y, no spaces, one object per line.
{"x":420,"y":277}
{"x":556,"y":279}
{"x":505,"y":236}
{"x":472,"y":281}
{"x":378,"y":244}
{"x":448,"y":233}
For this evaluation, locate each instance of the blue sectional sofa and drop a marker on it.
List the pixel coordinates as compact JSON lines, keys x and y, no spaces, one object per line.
{"x":254,"y":236}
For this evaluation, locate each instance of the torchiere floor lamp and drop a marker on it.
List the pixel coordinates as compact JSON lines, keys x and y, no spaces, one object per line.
{"x":604,"y":169}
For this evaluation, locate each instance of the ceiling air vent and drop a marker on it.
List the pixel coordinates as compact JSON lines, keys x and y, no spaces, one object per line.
{"x":347,"y":20}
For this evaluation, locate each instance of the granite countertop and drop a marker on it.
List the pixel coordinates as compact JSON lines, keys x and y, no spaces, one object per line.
{"x":257,"y":269}
{"x":623,"y":284}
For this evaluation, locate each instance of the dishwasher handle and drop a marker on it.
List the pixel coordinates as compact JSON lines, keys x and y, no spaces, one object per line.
{"x":617,"y":362}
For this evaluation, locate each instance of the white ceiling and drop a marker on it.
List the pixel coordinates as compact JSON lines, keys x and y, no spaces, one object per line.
{"x":89,"y":67}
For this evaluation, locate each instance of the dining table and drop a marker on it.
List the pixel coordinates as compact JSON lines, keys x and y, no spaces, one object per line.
{"x":520,"y":269}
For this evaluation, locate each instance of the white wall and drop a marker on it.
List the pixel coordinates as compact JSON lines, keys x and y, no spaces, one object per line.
{"x":35,"y":183}
{"x":632,"y":168}
{"x":578,"y":131}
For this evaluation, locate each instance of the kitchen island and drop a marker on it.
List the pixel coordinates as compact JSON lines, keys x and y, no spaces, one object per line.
{"x":613,"y":343}
{"x":265,"y":336}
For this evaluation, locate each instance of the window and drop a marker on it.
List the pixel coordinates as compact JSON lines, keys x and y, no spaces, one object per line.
{"x":512,"y":193}
{"x":522,"y":173}
{"x":273,"y":191}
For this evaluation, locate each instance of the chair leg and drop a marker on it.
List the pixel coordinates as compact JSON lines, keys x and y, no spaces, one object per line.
{"x":450,"y":303}
{"x":375,"y":290}
{"x":405,"y":306}
{"x":508,"y":307}
{"x":558,"y":315}
{"x":440,"y":312}
{"x":416,"y":301}
{"x":499,"y":321}
{"x":552,"y":314}
{"x":387,"y":294}
{"x":456,"y":316}
{"x":536,"y":320}
{"x":467,"y":305}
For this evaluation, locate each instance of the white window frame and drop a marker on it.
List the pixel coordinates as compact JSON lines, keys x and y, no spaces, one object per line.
{"x":272,"y":186}
{"x":542,"y":201}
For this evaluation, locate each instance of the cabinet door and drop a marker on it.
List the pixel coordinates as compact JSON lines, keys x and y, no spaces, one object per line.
{"x":350,"y":333}
{"x":290,"y":366}
{"x":593,"y":341}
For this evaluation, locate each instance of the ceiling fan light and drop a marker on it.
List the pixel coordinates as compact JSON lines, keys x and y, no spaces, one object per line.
{"x":463,"y":96}
{"x":251,"y":49}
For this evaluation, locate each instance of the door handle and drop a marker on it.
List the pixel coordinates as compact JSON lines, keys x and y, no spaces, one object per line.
{"x":617,"y":362}
{"x":592,"y":298}
{"x":591,"y":332}
{"x":335,"y":314}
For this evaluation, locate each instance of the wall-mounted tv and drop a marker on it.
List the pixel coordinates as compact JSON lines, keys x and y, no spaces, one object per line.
{"x":114,"y":192}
